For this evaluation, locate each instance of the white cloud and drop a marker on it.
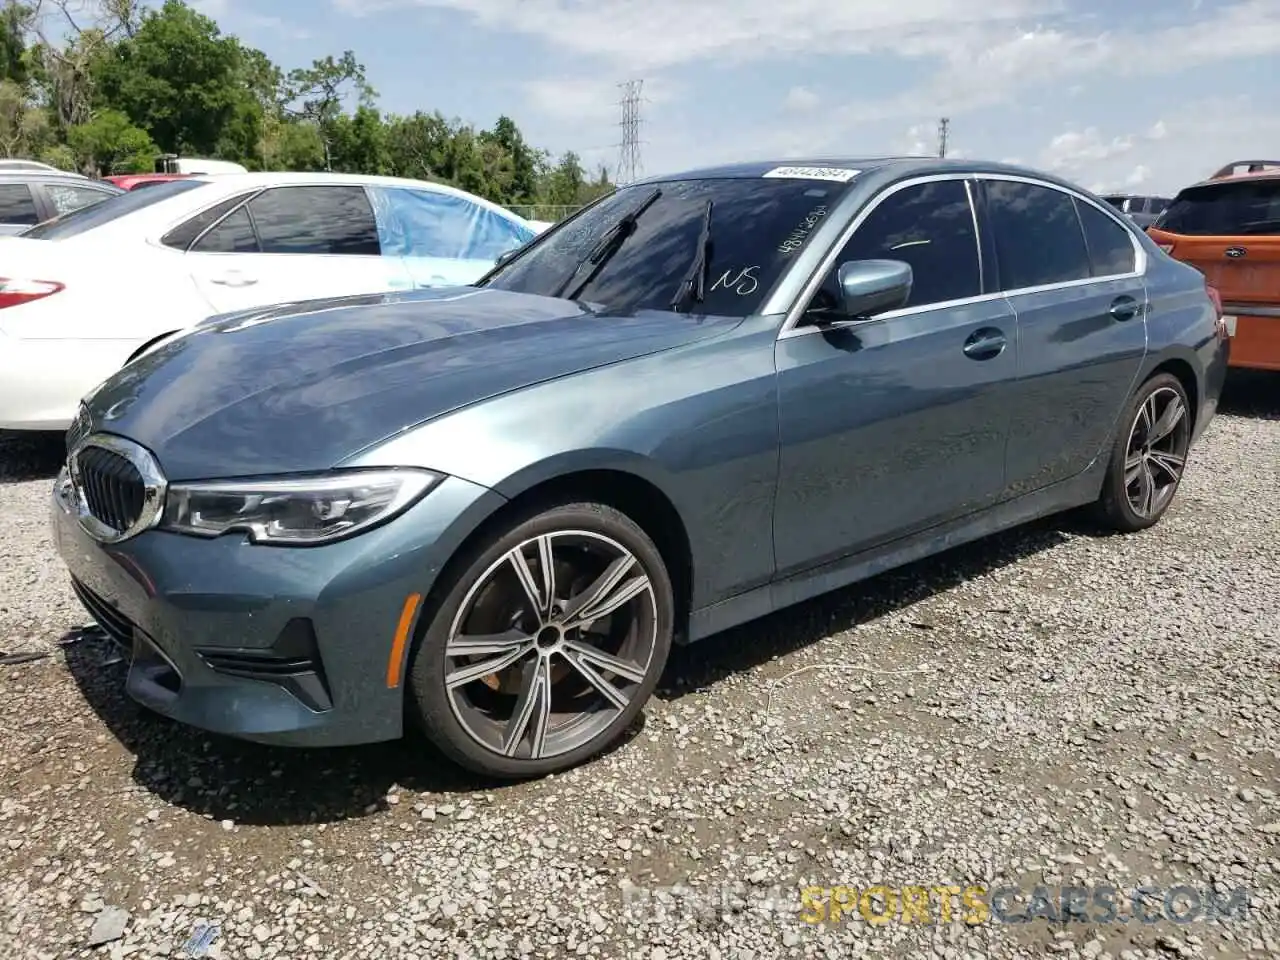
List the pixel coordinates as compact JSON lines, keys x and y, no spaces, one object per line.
{"x":1138,"y":176}
{"x":237,"y":18}
{"x":801,"y":100}
{"x":656,"y":34}
{"x":590,"y":99}
{"x":1200,"y":138}
{"x":1041,"y":55}
{"x":1077,"y":149}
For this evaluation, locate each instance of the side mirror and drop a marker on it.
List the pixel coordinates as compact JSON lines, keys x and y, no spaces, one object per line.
{"x":868,"y":287}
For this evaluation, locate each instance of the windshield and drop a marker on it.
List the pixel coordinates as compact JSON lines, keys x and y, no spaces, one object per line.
{"x":755,"y":227}
{"x":113,"y":208}
{"x":1229,"y":208}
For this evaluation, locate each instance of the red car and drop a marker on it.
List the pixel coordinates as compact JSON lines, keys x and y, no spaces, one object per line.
{"x":132,"y":181}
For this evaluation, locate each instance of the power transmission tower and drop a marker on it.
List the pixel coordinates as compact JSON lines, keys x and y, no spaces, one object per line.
{"x":943,"y":128}
{"x":629,"y":166}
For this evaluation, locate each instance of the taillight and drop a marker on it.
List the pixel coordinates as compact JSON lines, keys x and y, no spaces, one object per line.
{"x":1221,"y":328}
{"x":14,"y":291}
{"x":1215,"y":296}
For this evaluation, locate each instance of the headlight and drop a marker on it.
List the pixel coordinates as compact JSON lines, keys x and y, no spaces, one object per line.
{"x":298,"y":510}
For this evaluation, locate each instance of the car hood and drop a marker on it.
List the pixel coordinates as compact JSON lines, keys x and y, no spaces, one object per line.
{"x":304,"y":386}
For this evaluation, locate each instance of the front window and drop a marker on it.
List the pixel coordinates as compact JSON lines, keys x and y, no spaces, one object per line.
{"x":755,"y":228}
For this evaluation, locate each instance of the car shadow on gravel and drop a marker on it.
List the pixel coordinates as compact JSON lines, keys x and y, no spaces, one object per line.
{"x":1251,"y":393}
{"x":30,"y":456}
{"x":226,"y":779}
{"x":703,"y":664}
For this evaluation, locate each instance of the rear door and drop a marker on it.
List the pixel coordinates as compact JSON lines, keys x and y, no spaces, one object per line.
{"x":1230,"y":231}
{"x":293,"y":243}
{"x":1072,"y":274}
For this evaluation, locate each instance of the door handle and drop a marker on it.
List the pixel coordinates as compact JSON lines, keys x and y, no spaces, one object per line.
{"x":233,"y":279}
{"x":1124,"y":308}
{"x":985,"y":344}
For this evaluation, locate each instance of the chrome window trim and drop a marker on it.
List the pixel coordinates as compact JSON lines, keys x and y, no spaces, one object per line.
{"x":791,"y":326}
{"x":977,"y":230}
{"x":155,"y":486}
{"x":244,"y":202}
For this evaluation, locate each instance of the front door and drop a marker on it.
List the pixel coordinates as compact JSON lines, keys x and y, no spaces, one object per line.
{"x":895,"y":424}
{"x":1070,"y":271}
{"x":294,"y":243}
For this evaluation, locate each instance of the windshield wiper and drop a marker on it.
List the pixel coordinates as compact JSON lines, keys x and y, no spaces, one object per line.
{"x":694,"y":283}
{"x":604,"y":250}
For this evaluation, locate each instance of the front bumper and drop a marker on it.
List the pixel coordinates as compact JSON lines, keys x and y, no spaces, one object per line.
{"x":281,"y":645}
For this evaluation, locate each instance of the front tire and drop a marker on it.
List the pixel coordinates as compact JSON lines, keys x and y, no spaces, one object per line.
{"x":1149,"y":456}
{"x":546,"y":642}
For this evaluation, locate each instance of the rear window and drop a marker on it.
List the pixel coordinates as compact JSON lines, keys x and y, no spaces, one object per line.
{"x":86,"y":218}
{"x":1231,"y":208}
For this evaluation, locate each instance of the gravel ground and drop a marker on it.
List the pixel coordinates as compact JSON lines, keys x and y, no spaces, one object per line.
{"x":1048,"y":707}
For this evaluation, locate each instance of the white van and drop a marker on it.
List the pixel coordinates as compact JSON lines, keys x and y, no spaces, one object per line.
{"x":168,"y":163}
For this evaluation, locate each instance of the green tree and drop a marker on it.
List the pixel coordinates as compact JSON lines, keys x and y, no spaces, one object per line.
{"x":317,"y":94}
{"x":523,"y":183}
{"x":103,"y":85}
{"x":23,"y":126}
{"x":359,"y":142}
{"x":176,"y":77}
{"x":566,"y":182}
{"x":417,"y":145}
{"x":15,"y":22}
{"x":109,"y":144}
{"x":291,"y":145}
{"x":598,"y":187}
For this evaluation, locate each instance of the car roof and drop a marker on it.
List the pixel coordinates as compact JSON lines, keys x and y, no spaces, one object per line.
{"x":277,"y":179}
{"x":903,"y":165}
{"x":48,"y":176}
{"x":1273,"y":174}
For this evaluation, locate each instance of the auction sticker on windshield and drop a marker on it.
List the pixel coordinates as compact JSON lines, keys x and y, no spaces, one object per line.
{"x":837,"y":174}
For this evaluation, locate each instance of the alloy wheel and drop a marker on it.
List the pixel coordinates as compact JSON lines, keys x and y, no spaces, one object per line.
{"x":1157,"y":452}
{"x":550,"y":644}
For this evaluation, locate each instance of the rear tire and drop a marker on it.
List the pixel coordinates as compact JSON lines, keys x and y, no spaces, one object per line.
{"x":525,"y":670}
{"x":1148,"y":458}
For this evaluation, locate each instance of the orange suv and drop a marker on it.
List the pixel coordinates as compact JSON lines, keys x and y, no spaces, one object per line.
{"x":1228,"y":227}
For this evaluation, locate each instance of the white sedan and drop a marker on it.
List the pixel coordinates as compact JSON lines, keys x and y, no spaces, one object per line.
{"x":81,"y":293}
